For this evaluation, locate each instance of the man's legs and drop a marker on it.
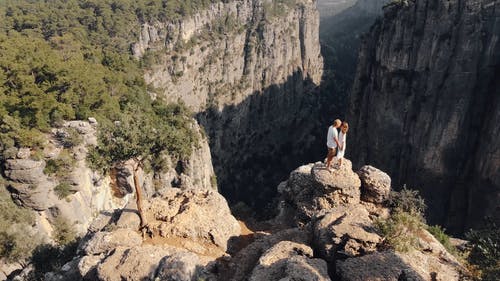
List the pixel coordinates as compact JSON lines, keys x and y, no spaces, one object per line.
{"x":331,"y":154}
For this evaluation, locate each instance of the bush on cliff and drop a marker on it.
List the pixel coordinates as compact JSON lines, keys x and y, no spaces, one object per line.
{"x":400,"y":230}
{"x":17,"y":241}
{"x":485,"y":253}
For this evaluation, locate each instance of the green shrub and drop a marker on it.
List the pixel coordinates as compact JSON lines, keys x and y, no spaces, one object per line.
{"x":64,"y":232}
{"x":71,"y":138}
{"x":485,"y":253}
{"x":51,"y":258}
{"x":401,"y":230}
{"x":167,"y":128}
{"x":61,"y":166}
{"x":63,"y":190}
{"x":17,"y":240}
{"x":407,"y":200}
{"x":439,"y":233}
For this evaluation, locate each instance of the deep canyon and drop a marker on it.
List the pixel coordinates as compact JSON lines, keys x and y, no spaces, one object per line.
{"x":265,"y":95}
{"x":417,"y":80}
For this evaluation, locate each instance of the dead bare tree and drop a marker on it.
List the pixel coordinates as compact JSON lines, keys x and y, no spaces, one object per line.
{"x":144,"y":227}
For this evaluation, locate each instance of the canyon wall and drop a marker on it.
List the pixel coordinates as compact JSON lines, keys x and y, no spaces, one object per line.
{"x":425,"y":105}
{"x":249,"y":69}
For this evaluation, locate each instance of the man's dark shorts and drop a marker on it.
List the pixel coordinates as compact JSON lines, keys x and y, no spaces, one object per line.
{"x":331,"y":152}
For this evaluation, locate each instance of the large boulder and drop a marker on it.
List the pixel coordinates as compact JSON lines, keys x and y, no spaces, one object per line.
{"x":429,"y":261}
{"x":25,"y":170}
{"x":289,"y":261}
{"x":312,"y":188}
{"x":136,"y":263}
{"x":202,"y":216}
{"x":246,"y":260}
{"x":342,"y":181}
{"x":28,"y":185}
{"x":345,"y":231}
{"x":375,"y":184}
{"x":103,"y":242}
{"x":181,"y":266}
{"x":394,"y":266}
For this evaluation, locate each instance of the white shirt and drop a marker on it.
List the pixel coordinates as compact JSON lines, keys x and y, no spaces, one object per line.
{"x":332,"y":134}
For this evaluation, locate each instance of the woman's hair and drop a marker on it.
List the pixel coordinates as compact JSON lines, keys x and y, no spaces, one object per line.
{"x":345,"y":125}
{"x":337,"y":122}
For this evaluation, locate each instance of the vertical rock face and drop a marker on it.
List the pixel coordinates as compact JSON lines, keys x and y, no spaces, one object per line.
{"x":425,"y":105}
{"x":249,"y":69}
{"x":222,"y":55}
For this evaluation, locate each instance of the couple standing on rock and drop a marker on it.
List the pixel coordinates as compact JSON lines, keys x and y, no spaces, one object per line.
{"x":336,"y":140}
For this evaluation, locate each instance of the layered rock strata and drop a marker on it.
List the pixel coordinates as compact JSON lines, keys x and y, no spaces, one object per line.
{"x":425,"y":105}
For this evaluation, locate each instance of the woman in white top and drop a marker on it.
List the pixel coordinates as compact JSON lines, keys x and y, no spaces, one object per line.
{"x":342,"y":142}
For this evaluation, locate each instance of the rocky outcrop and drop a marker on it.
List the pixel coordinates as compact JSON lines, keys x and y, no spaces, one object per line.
{"x":202,"y":216}
{"x":312,"y":188}
{"x":375,"y":184}
{"x":249,"y":69}
{"x":289,"y":261}
{"x":243,"y":263}
{"x":344,"y":233}
{"x":190,"y":230}
{"x":425,"y":105}
{"x":57,"y":182}
{"x":431,"y":263}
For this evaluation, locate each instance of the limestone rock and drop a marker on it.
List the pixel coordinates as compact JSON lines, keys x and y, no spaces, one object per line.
{"x":25,"y":170}
{"x":312,"y":188}
{"x":181,"y":266}
{"x":244,"y":261}
{"x":342,"y":180}
{"x":345,"y":231}
{"x":131,"y":264}
{"x":393,"y":266}
{"x":129,"y":216}
{"x":103,"y":242}
{"x":28,"y":185}
{"x":87,"y":267}
{"x":24,"y":153}
{"x":289,"y":261}
{"x":200,"y":215}
{"x":375,"y":184}
{"x":430,"y":262}
{"x":92,"y":121}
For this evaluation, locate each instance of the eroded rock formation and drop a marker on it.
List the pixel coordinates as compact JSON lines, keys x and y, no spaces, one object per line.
{"x":78,"y":194}
{"x":425,"y":105}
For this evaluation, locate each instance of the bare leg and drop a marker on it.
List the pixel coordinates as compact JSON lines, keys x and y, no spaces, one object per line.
{"x":331,"y":153}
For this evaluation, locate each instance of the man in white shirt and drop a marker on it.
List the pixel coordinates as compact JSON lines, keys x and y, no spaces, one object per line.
{"x":332,"y":141}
